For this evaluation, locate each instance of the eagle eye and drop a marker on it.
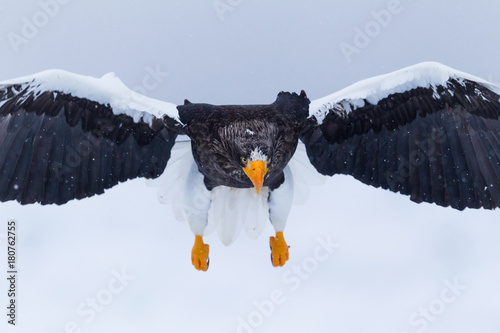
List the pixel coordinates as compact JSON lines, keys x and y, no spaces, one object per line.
{"x":243,"y":160}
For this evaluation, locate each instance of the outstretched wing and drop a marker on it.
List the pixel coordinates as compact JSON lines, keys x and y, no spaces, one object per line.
{"x":427,"y":131}
{"x":65,"y":136}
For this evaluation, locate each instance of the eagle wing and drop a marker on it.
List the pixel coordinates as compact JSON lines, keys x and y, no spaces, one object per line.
{"x":65,"y":136}
{"x":427,"y":131}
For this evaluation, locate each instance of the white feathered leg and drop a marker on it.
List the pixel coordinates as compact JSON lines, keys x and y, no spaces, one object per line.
{"x":196,"y":205}
{"x":280,"y":203}
{"x":196,"y":201}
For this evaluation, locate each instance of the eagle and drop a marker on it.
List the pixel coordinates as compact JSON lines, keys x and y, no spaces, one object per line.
{"x":427,"y":131}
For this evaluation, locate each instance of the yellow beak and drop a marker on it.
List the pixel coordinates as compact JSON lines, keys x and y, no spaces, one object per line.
{"x":256,"y":171}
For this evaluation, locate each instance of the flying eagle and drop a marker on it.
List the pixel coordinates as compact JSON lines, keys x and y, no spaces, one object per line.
{"x":427,"y":131}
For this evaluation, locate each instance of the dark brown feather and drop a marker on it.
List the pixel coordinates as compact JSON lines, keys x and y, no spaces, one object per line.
{"x":438,"y":145}
{"x":55,"y":147}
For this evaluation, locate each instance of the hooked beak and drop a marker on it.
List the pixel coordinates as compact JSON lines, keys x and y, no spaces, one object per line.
{"x":256,"y":171}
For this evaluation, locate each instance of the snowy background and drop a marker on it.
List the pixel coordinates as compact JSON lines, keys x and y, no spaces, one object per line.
{"x":399,"y":267}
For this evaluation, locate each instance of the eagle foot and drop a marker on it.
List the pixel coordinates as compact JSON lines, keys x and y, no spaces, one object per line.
{"x":279,"y":249}
{"x":199,"y":254}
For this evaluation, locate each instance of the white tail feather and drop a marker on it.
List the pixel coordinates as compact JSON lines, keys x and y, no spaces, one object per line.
{"x":234,"y":208}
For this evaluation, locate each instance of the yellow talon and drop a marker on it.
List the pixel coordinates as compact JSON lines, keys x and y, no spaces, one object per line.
{"x":199,"y":254}
{"x":279,"y":249}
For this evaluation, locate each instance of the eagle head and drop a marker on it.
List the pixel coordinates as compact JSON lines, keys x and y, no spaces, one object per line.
{"x":247,"y":151}
{"x":256,"y":167}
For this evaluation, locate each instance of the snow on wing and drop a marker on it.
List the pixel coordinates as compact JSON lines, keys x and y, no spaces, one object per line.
{"x":427,"y":131}
{"x":64,"y":137}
